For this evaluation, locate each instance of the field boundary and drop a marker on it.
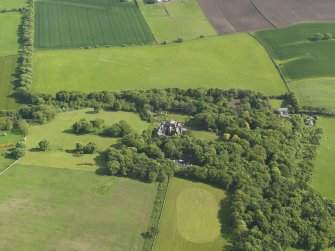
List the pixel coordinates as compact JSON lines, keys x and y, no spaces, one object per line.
{"x":273,"y":60}
{"x":152,"y":218}
{"x":261,"y":13}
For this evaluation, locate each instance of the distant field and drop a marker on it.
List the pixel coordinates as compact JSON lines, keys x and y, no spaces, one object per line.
{"x":59,"y":134}
{"x":324,"y":171}
{"x":297,"y":55}
{"x":307,"y":65}
{"x":63,"y":210}
{"x":9,"y":44}
{"x":190,"y":218}
{"x":222,"y":62}
{"x":60,"y":24}
{"x":9,"y":4}
{"x":181,"y":18}
{"x":7,"y":68}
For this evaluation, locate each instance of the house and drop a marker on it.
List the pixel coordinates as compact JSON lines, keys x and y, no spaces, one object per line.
{"x":170,"y":128}
{"x":163,"y":1}
{"x":283,"y":112}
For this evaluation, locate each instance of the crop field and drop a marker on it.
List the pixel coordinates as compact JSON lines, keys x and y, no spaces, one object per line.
{"x":222,"y":62}
{"x":226,"y":16}
{"x":190,"y":218}
{"x":58,"y":209}
{"x":7,"y":69}
{"x":59,"y":134}
{"x":9,"y":4}
{"x":60,"y":24}
{"x":287,"y":12}
{"x":182,"y":18}
{"x":9,"y":44}
{"x":229,"y":16}
{"x":307,"y":65}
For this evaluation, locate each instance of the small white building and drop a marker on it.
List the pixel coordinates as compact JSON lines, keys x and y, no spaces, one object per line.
{"x":283,"y":112}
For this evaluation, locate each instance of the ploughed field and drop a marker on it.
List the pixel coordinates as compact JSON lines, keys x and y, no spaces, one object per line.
{"x":229,"y":16}
{"x":307,"y":63}
{"x":60,"y":24}
{"x":222,"y":62}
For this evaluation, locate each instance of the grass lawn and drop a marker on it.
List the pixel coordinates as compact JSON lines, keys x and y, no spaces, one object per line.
{"x":9,"y":4}
{"x":55,"y":209}
{"x":59,"y":134}
{"x":316,"y":92}
{"x":223,"y":62}
{"x":190,"y":218}
{"x":9,"y":44}
{"x":7,"y":68}
{"x":60,"y":24}
{"x":12,"y":138}
{"x":324,"y":171}
{"x":180,"y":18}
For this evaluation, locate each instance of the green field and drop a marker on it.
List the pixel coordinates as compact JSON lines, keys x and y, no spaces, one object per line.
{"x":297,"y":55}
{"x":222,"y":62}
{"x":45,"y":208}
{"x":60,"y":24}
{"x":7,"y":69}
{"x":59,"y":134}
{"x":190,"y":218}
{"x":317,"y":92}
{"x":307,"y":65}
{"x":324,"y":172}
{"x":9,"y":44}
{"x":181,"y":18}
{"x":9,"y":4}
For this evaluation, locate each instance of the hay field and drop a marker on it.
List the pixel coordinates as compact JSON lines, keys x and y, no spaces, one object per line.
{"x":63,"y":210}
{"x":61,"y":24}
{"x":182,"y":18}
{"x":222,"y":62}
{"x":190,"y":218}
{"x":59,"y":134}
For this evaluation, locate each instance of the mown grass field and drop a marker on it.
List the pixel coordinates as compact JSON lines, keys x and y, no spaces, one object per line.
{"x":61,"y":24}
{"x":9,"y":44}
{"x":324,"y":171}
{"x":9,"y":4}
{"x":45,"y":208}
{"x":7,"y":69}
{"x":190,"y":219}
{"x":307,"y":65}
{"x":59,"y":134}
{"x":222,"y":62}
{"x":181,"y":18}
{"x":12,"y":138}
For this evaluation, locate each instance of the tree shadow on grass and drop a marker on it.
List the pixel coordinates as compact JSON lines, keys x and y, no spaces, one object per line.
{"x":224,"y":215}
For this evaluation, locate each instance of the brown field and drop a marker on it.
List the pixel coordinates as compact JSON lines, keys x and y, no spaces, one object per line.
{"x":229,"y":16}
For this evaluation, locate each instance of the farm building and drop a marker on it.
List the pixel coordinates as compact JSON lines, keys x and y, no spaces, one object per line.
{"x":170,"y":128}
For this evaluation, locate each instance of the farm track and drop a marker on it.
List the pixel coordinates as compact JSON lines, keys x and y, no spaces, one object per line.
{"x":230,"y":16}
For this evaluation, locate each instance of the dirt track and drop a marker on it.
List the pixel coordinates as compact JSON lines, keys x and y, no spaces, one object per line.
{"x":229,"y":16}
